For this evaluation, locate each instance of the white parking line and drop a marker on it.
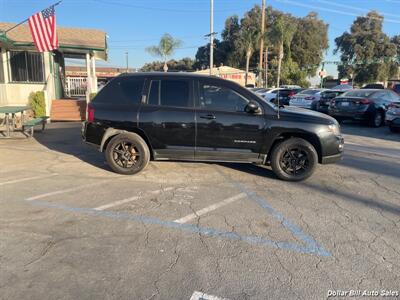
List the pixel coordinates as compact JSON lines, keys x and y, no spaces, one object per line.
{"x":210,"y":208}
{"x":202,"y":296}
{"x":77,"y":188}
{"x":27,"y":179}
{"x":123,"y":201}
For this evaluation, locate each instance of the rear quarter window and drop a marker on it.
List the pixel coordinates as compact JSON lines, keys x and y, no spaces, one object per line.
{"x":122,"y":90}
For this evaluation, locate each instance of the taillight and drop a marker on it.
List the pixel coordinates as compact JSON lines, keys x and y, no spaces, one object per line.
{"x":364,"y":101}
{"x":90,"y":113}
{"x":291,"y":94}
{"x":309,"y":98}
{"x":393,"y":105}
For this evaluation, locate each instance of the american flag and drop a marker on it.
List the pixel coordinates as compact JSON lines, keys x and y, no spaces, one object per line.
{"x":43,"y":29}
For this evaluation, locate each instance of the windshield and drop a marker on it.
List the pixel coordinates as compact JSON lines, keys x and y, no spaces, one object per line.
{"x":358,"y":93}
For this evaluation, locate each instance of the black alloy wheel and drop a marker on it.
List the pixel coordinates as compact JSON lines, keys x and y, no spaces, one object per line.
{"x":294,"y":159}
{"x":127,"y":153}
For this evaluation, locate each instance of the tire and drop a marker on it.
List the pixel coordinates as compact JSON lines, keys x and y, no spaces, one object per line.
{"x":377,"y":119}
{"x":294,"y":149}
{"x":119,"y":153}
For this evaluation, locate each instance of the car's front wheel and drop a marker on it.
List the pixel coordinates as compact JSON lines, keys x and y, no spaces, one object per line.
{"x":127,"y":153}
{"x":294,"y":159}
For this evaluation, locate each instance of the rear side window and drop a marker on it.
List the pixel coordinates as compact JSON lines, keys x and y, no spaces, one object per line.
{"x":122,"y":90}
{"x":169,"y":93}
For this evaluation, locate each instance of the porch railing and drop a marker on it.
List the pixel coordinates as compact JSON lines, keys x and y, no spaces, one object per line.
{"x":76,"y":86}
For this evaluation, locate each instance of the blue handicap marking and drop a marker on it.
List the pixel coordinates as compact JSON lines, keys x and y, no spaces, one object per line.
{"x":310,"y":244}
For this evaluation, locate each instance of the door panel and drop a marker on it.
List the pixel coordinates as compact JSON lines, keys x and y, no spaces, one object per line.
{"x":171,"y":129}
{"x":224,"y":131}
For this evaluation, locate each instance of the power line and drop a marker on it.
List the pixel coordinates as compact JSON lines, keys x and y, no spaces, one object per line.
{"x":354,"y":7}
{"x":333,"y":10}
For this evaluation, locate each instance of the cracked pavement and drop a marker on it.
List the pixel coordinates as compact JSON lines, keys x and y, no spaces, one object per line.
{"x":351,"y":209}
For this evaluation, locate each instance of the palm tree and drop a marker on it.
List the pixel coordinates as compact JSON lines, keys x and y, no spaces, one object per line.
{"x":249,"y":38}
{"x":281,"y":34}
{"x":165,"y":48}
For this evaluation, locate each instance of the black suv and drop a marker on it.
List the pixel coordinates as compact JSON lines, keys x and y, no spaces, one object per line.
{"x":183,"y":116}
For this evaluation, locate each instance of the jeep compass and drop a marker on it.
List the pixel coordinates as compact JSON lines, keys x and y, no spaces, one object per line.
{"x":181,"y":116}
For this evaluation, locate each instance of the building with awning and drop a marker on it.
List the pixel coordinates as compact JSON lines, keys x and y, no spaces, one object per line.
{"x":24,"y":70}
{"x":232,"y":74}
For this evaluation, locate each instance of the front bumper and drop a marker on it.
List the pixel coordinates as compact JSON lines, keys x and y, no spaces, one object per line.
{"x":333,"y":146}
{"x":331,"y":158}
{"x":395,"y":122}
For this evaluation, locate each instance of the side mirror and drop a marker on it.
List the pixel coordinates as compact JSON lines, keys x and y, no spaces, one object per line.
{"x":252,"y":108}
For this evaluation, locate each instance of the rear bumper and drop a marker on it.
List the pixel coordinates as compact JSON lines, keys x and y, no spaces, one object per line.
{"x":354,"y":115}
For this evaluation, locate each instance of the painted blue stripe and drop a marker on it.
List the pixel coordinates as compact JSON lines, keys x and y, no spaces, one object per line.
{"x":311,"y":243}
{"x":185,"y":227}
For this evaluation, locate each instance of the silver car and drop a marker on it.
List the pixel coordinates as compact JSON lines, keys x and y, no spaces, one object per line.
{"x":305,"y":98}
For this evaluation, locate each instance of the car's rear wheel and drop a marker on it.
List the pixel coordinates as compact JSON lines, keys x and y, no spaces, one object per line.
{"x":377,"y":119}
{"x":127,"y":153}
{"x":294,"y":159}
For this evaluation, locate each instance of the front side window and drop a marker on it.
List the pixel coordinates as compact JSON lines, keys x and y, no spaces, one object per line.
{"x":215,"y":97}
{"x":26,"y":66}
{"x":169,"y":93}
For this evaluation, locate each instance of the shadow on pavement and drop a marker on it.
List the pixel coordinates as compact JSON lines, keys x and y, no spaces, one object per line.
{"x":373,"y":165}
{"x":379,"y":204}
{"x":359,"y":129}
{"x":66,"y":138}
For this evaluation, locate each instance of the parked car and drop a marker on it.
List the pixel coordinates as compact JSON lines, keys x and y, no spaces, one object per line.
{"x":396,"y":88}
{"x":282,"y":94}
{"x":323,"y":103}
{"x":363,"y":105}
{"x":182,"y":116}
{"x":305,"y":98}
{"x":290,"y":86}
{"x":393,"y":116}
{"x":261,"y":91}
{"x":377,"y":86}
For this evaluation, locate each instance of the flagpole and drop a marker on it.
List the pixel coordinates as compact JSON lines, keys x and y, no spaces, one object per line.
{"x":20,"y":23}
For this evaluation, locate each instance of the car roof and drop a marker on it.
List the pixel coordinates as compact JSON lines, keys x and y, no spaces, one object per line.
{"x":169,"y":74}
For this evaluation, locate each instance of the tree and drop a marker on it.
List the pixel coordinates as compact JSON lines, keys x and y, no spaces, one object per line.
{"x":165,"y":48}
{"x":310,"y":41}
{"x":230,"y":35}
{"x":203,"y":55}
{"x":367,"y":54}
{"x":184,"y":64}
{"x":281,"y":35}
{"x":247,"y":42}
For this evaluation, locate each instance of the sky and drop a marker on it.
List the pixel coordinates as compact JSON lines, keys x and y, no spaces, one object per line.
{"x":133,"y":25}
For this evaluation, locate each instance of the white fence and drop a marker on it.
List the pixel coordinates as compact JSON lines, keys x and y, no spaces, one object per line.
{"x":76,"y":86}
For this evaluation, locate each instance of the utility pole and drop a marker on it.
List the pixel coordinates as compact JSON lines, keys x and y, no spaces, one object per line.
{"x":127,"y":65}
{"x":260,"y":63}
{"x":266,"y":67}
{"x":211,"y":35}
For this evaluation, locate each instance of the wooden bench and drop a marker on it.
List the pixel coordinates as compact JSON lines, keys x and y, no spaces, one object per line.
{"x":29,"y":125}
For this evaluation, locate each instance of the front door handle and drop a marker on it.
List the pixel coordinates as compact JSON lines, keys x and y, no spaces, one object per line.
{"x":208,"y":117}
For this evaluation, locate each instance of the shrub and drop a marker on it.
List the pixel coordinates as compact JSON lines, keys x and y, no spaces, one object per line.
{"x":38,"y":104}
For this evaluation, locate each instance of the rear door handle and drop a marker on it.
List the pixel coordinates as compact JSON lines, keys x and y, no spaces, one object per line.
{"x":208,"y":117}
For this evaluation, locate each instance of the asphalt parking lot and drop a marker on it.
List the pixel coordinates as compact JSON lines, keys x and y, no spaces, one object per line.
{"x":70,"y":228}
